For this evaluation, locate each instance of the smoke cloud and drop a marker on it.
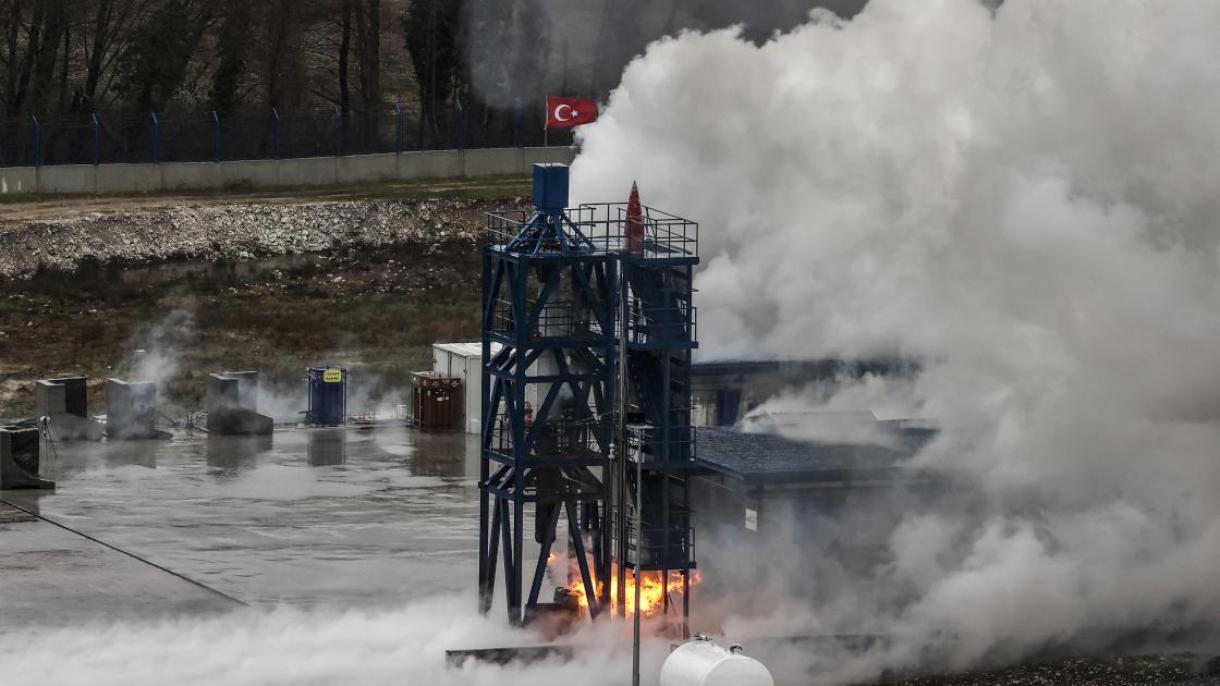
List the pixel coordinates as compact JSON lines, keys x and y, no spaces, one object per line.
{"x":1022,"y":199}
{"x":286,"y":646}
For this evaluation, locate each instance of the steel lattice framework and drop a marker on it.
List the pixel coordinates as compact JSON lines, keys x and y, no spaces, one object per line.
{"x":564,"y":292}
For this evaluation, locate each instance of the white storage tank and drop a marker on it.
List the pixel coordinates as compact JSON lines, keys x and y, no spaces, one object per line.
{"x":703,"y":662}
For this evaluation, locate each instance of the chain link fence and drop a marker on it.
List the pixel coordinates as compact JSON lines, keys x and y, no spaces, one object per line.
{"x":210,"y":137}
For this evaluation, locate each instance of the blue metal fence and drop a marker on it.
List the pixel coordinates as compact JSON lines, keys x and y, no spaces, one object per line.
{"x":209,"y":136}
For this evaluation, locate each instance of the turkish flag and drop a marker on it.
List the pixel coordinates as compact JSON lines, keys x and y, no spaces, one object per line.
{"x":564,"y":113}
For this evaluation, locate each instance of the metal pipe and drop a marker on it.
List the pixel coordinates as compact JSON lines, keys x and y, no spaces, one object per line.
{"x":215,"y":136}
{"x":97,"y":137}
{"x":275,"y":133}
{"x":397,"y":129}
{"x":156,"y":137}
{"x":639,"y":562}
{"x":37,"y":151}
{"x":517,"y":116}
{"x":338,"y":132}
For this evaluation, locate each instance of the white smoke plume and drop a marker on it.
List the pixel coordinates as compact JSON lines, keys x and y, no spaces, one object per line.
{"x":156,"y":349}
{"x":298,"y":648}
{"x":1024,"y":200}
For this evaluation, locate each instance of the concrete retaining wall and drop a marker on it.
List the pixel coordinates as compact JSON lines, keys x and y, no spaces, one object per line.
{"x":310,"y":171}
{"x":18,"y":180}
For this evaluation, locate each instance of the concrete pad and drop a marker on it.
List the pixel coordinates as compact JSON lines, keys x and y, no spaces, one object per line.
{"x":308,"y":171}
{"x":18,"y":180}
{"x":367,"y":168}
{"x":259,"y":519}
{"x":128,"y":178}
{"x":191,"y":175}
{"x":494,"y":162}
{"x":67,"y":178}
{"x":51,"y":576}
{"x":430,"y":164}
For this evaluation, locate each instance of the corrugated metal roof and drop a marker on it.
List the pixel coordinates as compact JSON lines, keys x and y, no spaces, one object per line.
{"x":770,"y":457}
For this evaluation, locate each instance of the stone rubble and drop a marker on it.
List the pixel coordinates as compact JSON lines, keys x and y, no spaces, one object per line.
{"x":239,"y":231}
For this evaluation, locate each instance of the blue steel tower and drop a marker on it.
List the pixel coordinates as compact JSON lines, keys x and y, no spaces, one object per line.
{"x":549,"y":351}
{"x":657,"y":308}
{"x":588,"y":330}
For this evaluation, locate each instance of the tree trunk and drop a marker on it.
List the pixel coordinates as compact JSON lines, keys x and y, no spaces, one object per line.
{"x":345,"y":47}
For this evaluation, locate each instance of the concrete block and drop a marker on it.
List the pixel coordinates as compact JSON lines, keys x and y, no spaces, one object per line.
{"x":494,"y":162}
{"x":65,"y":405}
{"x":19,"y":459}
{"x":18,"y":180}
{"x":308,"y":171}
{"x":430,"y":164}
{"x":66,"y":395}
{"x":131,"y":410}
{"x":253,"y":173}
{"x":191,"y":175}
{"x":359,"y":168}
{"x":232,"y":404}
{"x":67,"y":178}
{"x":128,"y":178}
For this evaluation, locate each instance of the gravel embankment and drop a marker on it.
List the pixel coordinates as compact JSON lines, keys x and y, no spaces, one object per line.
{"x":230,"y":231}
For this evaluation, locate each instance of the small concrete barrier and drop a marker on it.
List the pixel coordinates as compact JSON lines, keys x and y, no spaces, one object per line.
{"x":131,"y":410}
{"x":19,"y":459}
{"x":232,"y":405}
{"x":64,"y":404}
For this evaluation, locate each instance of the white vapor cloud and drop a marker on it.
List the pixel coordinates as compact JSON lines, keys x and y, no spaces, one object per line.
{"x":1023,"y":200}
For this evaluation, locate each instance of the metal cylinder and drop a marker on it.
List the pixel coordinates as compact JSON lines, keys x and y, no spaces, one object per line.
{"x":702,"y":662}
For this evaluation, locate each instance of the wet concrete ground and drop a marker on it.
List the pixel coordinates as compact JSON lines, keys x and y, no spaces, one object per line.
{"x":340,"y":517}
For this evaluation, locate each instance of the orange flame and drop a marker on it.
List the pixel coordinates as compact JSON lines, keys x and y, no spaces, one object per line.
{"x":652,"y":591}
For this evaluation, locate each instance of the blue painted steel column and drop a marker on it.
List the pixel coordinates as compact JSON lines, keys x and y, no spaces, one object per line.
{"x":518,"y":113}
{"x":338,"y":132}
{"x":97,"y":138}
{"x":156,"y":138}
{"x":397,"y":129}
{"x":275,"y":133}
{"x":37,"y":152}
{"x":215,"y":136}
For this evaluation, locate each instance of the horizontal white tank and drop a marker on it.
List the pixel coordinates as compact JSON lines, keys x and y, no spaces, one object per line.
{"x":702,"y":662}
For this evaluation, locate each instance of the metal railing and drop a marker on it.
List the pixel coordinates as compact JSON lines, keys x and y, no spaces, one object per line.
{"x":658,"y":446}
{"x":676,"y":554}
{"x":207,"y":136}
{"x":602,"y":227}
{"x":662,"y":324}
{"x":563,"y":319}
{"x":554,"y":439}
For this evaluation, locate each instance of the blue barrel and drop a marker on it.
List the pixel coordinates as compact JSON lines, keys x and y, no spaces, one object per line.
{"x":327,"y":396}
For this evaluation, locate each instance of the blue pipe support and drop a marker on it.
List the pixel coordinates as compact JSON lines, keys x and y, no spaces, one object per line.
{"x":96,"y":128}
{"x":215,"y":136}
{"x":275,"y":133}
{"x":156,"y":138}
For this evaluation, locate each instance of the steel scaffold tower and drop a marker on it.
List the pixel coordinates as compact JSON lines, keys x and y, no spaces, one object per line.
{"x":548,"y":338}
{"x":564,"y":291}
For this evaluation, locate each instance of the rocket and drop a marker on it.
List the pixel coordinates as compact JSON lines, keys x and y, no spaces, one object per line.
{"x":635,"y":222}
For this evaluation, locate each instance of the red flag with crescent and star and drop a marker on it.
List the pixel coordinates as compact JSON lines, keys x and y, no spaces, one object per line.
{"x":564,"y":113}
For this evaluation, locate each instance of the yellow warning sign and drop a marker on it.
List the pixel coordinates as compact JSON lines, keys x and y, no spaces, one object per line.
{"x":332,"y":376}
